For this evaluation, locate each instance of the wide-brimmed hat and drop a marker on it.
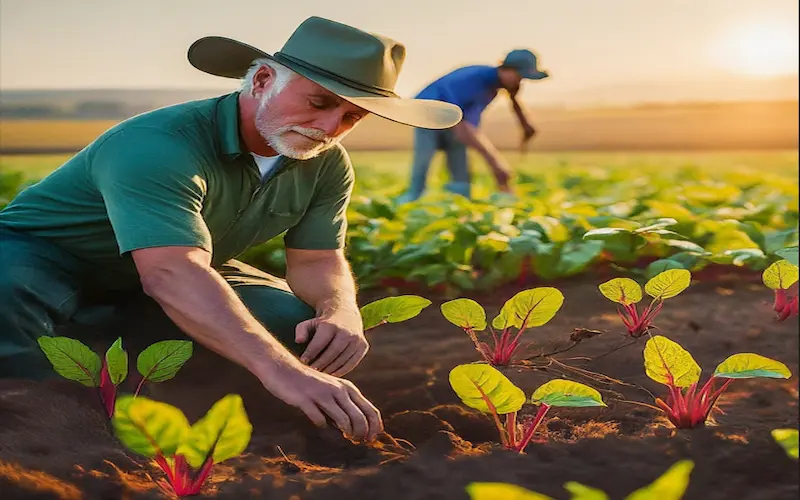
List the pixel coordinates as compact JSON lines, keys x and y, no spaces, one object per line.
{"x":360,"y":67}
{"x":526,"y":62}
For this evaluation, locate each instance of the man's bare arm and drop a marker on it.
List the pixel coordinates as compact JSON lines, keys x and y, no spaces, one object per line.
{"x":473,"y":137}
{"x":323,"y":279}
{"x":203,"y":305}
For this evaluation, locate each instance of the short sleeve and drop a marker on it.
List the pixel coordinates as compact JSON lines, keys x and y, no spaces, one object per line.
{"x":153,"y":189}
{"x":324,"y":225}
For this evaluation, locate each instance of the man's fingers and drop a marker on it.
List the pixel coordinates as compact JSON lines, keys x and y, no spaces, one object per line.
{"x":332,"y":408}
{"x":303,"y":331}
{"x":357,"y":417}
{"x":313,"y":414}
{"x":369,"y":411}
{"x":322,"y":337}
{"x":345,"y":364}
{"x":336,"y":347}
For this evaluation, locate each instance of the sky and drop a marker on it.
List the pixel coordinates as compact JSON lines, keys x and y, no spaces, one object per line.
{"x":608,"y":44}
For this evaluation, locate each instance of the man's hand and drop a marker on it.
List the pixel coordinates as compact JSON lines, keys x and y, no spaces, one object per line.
{"x":319,"y":395}
{"x":338,"y":342}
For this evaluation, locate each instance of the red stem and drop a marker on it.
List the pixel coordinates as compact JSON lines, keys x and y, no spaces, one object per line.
{"x":526,"y":438}
{"x":511,"y":428}
{"x":139,"y":386}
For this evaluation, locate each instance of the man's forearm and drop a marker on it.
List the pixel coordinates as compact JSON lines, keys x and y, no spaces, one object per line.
{"x":202,"y":304}
{"x":523,"y":120}
{"x":326,"y":284}
{"x":472,"y":137}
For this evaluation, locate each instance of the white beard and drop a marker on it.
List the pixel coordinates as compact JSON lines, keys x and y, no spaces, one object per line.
{"x":273,"y":134}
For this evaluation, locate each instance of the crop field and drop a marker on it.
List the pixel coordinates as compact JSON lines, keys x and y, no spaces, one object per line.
{"x":624,"y":325}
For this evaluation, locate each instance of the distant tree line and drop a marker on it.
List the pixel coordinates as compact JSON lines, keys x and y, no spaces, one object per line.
{"x":84,"y":110}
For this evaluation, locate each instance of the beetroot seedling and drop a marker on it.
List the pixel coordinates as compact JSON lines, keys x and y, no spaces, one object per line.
{"x":185,"y":454}
{"x":781,"y":277}
{"x":671,"y":485}
{"x":392,"y":310}
{"x":688,"y":406}
{"x":529,"y":308}
{"x":484,"y":388}
{"x":73,"y":360}
{"x":628,"y":293}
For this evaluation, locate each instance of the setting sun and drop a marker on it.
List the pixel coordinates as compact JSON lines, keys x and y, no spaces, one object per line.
{"x":760,"y":49}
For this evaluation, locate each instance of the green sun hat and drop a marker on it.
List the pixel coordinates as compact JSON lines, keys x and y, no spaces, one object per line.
{"x":359,"y":67}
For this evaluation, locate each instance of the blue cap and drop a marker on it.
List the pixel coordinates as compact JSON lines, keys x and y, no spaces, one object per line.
{"x":526,"y":63}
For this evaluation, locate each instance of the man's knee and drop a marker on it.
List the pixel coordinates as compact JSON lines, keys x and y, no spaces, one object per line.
{"x":278,"y":310}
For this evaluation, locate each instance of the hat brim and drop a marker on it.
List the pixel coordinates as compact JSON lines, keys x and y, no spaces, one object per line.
{"x":228,"y":58}
{"x":536,"y":75}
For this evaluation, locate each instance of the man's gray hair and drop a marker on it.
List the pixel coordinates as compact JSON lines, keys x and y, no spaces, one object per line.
{"x":283,"y":75}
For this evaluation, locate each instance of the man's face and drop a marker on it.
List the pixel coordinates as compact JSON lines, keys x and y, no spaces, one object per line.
{"x":510,"y":79}
{"x":303,"y":119}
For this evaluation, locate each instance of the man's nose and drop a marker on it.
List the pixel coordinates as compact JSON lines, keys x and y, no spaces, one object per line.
{"x":331,"y":123}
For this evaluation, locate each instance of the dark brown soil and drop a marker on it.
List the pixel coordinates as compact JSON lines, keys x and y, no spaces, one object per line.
{"x":54,"y":440}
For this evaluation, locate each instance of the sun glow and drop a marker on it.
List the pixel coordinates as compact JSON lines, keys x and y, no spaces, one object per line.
{"x":759,"y":49}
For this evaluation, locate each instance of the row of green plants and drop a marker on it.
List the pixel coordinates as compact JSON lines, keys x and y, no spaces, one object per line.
{"x":186,"y":453}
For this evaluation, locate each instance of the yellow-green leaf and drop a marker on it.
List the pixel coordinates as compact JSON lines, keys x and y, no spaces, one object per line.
{"x":670,"y":486}
{"x":500,"y":322}
{"x":223,"y":433}
{"x":465,"y":313}
{"x":502,"y":491}
{"x":117,"y":362}
{"x":471,"y":381}
{"x":749,"y":365}
{"x":538,"y":304}
{"x":392,"y":310}
{"x":622,"y":290}
{"x":780,"y":275}
{"x":788,"y":440}
{"x":582,"y":492}
{"x":560,"y":392}
{"x":72,"y":359}
{"x":668,"y":284}
{"x":148,"y":427}
{"x":665,"y":360}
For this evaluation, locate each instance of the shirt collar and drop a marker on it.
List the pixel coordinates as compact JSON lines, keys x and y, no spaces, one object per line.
{"x":227,"y":127}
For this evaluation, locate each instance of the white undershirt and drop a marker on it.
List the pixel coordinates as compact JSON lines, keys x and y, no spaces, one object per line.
{"x":265,"y":163}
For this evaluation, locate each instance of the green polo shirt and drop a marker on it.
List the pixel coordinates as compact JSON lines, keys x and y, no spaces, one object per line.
{"x":180,"y":176}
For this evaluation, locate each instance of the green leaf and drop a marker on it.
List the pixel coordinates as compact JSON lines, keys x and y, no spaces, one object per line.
{"x":670,"y":486}
{"x":162,"y":360}
{"x":666,"y":361}
{"x":668,"y":284}
{"x":148,"y":427}
{"x":581,"y":492}
{"x":560,"y":392}
{"x":780,"y":275}
{"x":117,"y":362}
{"x":749,"y":365}
{"x":621,"y":290}
{"x":657,"y":267}
{"x":657,"y":225}
{"x":465,"y":313}
{"x":686,"y":246}
{"x":392,"y":310}
{"x":539,"y":305}
{"x":788,"y":440}
{"x":72,"y":359}
{"x":502,"y":491}
{"x":471,"y":381}
{"x":790,"y":254}
{"x":223,"y":433}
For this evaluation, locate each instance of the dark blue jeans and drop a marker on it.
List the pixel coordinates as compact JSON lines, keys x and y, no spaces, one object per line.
{"x":45,"y":290}
{"x":426,"y":144}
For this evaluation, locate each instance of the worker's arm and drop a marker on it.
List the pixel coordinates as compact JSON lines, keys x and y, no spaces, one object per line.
{"x":474,"y":138}
{"x":527,"y":129}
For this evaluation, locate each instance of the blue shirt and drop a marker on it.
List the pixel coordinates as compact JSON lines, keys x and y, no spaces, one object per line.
{"x":471,"y":88}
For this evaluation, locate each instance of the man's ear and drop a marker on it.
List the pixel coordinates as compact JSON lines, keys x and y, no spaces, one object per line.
{"x":262,"y":80}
